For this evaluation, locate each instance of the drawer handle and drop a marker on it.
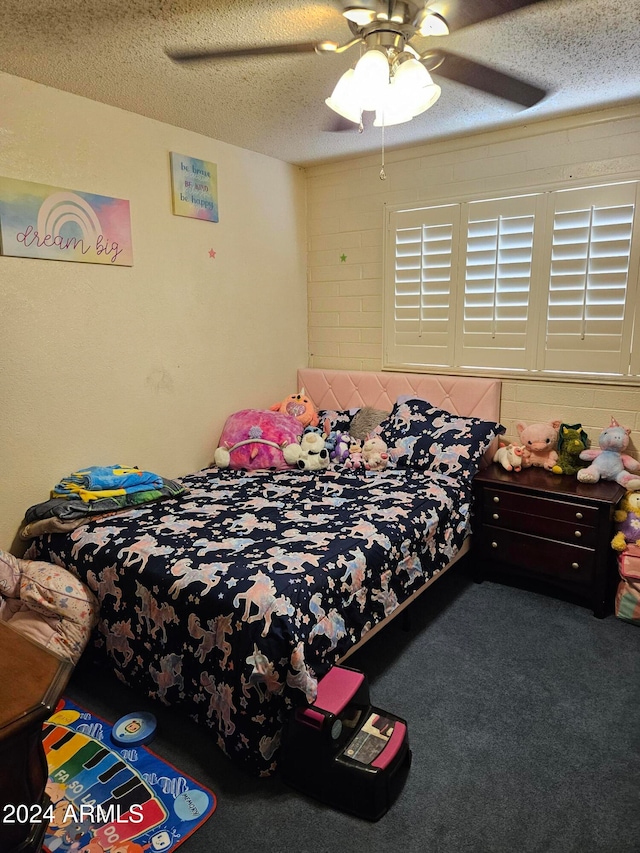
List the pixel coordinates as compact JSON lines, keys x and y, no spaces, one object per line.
{"x":575,"y":565}
{"x":496,"y":499}
{"x":579,"y":516}
{"x":494,"y":544}
{"x":577,"y":534}
{"x":495,"y":516}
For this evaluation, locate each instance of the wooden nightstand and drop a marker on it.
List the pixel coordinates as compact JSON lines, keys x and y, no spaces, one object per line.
{"x":31,"y":682}
{"x":547,"y":528}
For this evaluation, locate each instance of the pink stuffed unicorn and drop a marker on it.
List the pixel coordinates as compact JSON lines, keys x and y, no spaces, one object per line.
{"x":609,"y":462}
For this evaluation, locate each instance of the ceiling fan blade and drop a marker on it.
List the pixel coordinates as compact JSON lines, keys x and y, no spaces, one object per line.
{"x":443,"y":63}
{"x":237,"y":52}
{"x":462,"y":13}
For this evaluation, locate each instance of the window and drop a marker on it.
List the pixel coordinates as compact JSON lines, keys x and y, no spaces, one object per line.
{"x":537,"y":284}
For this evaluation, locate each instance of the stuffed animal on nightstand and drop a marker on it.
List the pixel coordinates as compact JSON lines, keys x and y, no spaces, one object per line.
{"x":540,"y":442}
{"x":572,"y":440}
{"x":609,"y":462}
{"x":509,"y":456}
{"x":627,"y":522}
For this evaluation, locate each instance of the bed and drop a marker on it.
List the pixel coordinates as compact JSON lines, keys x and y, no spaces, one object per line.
{"x":234,"y":599}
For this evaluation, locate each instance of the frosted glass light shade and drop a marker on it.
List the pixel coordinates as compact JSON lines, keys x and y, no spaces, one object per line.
{"x":411,"y":75}
{"x":371,"y":77}
{"x":359,"y":16}
{"x":392,"y":110}
{"x":413,"y":89}
{"x":433,"y":24}
{"x":429,"y":95}
{"x":345,"y":99}
{"x":387,"y":117}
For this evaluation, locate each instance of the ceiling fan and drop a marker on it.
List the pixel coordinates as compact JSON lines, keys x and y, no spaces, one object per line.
{"x":388,"y":28}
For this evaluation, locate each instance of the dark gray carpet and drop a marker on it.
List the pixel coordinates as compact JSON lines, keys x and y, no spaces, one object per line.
{"x":524,"y":720}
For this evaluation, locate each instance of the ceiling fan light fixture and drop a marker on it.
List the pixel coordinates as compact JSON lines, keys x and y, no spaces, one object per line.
{"x":345,"y":99}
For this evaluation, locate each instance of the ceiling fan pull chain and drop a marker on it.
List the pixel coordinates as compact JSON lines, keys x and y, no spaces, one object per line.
{"x":383,"y":176}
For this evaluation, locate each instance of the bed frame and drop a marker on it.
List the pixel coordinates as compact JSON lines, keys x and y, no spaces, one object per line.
{"x":348,"y":389}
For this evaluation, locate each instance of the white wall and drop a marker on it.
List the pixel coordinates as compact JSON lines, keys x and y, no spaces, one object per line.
{"x":141,"y":365}
{"x":345,"y":203}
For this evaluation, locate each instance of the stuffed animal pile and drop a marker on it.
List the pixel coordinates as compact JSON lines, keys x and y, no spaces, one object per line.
{"x":627,"y":522}
{"x":563,"y":449}
{"x":627,"y":543}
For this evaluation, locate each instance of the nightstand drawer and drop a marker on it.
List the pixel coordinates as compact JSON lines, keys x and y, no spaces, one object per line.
{"x":498,"y":515}
{"x":538,"y":556}
{"x":547,"y":507}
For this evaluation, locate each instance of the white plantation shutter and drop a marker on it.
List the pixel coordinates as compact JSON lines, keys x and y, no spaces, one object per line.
{"x":545,"y":283}
{"x":419,"y":305}
{"x":496,"y":327}
{"x":589,"y":318}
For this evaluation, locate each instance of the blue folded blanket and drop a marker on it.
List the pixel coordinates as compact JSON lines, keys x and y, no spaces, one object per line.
{"x":108,"y":477}
{"x":72,"y":507}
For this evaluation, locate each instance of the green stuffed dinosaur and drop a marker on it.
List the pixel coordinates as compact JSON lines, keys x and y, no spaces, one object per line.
{"x":572,"y":440}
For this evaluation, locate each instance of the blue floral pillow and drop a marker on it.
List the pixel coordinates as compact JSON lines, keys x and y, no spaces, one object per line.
{"x":419,"y":435}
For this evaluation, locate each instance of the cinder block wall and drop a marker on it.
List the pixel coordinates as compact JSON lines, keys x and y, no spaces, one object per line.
{"x":345,"y":240}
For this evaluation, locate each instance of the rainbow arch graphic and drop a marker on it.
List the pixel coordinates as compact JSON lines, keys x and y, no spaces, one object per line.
{"x":53,"y":223}
{"x":64,"y":208}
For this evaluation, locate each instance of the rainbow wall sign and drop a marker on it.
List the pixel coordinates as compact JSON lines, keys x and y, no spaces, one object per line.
{"x":54,"y":224}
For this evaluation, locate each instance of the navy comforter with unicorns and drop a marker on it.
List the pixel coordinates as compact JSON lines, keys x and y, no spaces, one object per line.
{"x":235,"y":598}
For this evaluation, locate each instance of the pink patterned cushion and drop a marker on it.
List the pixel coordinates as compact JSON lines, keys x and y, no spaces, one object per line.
{"x":47,"y":604}
{"x":255,"y":439}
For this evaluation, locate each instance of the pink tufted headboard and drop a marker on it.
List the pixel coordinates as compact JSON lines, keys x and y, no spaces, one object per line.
{"x":350,"y":389}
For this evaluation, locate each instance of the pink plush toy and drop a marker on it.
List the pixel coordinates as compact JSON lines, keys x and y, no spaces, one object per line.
{"x":609,"y":462}
{"x":354,"y":460}
{"x":300,"y":406}
{"x":540,"y":441}
{"x":254,"y":439}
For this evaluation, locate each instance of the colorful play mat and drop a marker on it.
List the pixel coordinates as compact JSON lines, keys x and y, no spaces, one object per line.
{"x":109,"y":797}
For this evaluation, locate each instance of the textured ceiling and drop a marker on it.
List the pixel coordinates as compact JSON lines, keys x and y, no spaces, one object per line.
{"x":585,"y":52}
